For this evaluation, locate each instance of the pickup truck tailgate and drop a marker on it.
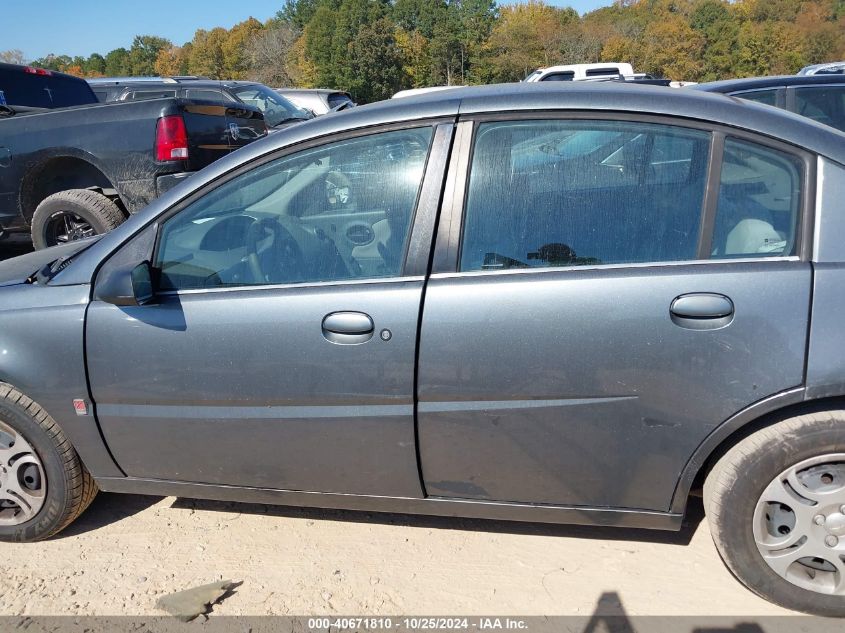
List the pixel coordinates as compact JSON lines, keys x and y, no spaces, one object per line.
{"x":215,"y":129}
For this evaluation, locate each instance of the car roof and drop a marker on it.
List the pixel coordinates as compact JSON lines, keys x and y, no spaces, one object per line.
{"x":758,"y":83}
{"x":525,"y":98}
{"x":169,"y":82}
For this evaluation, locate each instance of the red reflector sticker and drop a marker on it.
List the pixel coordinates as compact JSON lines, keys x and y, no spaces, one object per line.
{"x":80,"y":407}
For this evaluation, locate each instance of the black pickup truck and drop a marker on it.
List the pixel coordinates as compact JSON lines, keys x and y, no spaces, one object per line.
{"x":71,"y":167}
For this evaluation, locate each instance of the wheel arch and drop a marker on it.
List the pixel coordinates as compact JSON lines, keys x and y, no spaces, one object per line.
{"x":60,"y":172}
{"x":761,"y":414}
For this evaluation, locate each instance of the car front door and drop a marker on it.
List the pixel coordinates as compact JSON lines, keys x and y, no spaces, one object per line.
{"x":610,"y":291}
{"x":279,"y":349}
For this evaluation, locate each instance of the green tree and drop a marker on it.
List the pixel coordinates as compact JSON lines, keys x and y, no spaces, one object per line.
{"x":206,"y":55}
{"x":375,"y":62}
{"x":117,"y":63}
{"x":714,"y":21}
{"x":144,"y":52}
{"x":235,"y":48}
{"x":296,"y":13}
{"x":319,"y":50}
{"x":95,"y":65}
{"x":525,"y":37}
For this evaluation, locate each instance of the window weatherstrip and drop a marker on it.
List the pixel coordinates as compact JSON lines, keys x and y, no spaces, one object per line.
{"x":424,"y":221}
{"x":710,"y":203}
{"x":454,"y":193}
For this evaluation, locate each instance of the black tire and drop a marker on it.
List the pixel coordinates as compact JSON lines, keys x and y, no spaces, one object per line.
{"x":70,"y":488}
{"x":739,"y":479}
{"x":98,"y":211}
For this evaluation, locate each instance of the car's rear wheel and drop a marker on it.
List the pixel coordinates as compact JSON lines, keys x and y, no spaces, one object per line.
{"x":43,"y":484}
{"x":776,"y":507}
{"x":72,"y":215}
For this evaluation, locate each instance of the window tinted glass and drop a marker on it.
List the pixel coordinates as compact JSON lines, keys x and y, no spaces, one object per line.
{"x":563,"y":193}
{"x":601,"y":72}
{"x":139,"y":95}
{"x":44,"y":91}
{"x":339,"y":211}
{"x":825,"y":105}
{"x":338,"y":98}
{"x":759,"y":201}
{"x":567,"y":76}
{"x":275,"y":108}
{"x":767,"y":97}
{"x":207,"y":95}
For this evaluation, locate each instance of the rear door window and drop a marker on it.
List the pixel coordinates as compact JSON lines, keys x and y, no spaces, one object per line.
{"x":823,"y":104}
{"x":759,"y":202}
{"x":766,"y":97}
{"x":568,"y":193}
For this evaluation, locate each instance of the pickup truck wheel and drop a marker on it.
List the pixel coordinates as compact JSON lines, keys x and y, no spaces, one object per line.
{"x":775,"y":503}
{"x":43,"y":484}
{"x":72,"y":215}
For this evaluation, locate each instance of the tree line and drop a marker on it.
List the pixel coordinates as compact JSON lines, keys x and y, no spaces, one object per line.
{"x":372,"y":48}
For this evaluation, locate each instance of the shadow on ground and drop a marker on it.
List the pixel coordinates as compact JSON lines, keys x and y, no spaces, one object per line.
{"x":111,"y":508}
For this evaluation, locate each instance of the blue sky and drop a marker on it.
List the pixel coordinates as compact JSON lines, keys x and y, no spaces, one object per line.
{"x":82,"y":27}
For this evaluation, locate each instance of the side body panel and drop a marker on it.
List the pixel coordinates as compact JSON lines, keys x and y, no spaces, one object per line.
{"x":242,"y":388}
{"x":575,"y":387}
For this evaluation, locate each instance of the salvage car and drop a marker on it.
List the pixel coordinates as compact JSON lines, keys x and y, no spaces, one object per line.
{"x":565,"y":304}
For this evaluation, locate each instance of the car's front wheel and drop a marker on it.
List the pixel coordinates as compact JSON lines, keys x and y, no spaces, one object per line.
{"x":43,"y":484}
{"x":775,"y":503}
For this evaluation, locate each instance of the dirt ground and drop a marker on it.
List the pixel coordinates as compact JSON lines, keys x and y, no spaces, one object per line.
{"x":126,"y":551}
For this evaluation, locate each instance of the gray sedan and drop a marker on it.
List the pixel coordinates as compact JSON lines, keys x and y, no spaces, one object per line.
{"x":569,"y":304}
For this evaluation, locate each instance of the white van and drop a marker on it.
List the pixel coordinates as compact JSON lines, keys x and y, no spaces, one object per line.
{"x":581,"y":72}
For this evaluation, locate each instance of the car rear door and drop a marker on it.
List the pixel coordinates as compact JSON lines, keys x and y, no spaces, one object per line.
{"x":610,"y":292}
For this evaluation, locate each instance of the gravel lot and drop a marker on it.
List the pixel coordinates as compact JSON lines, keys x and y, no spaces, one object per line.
{"x":126,"y":551}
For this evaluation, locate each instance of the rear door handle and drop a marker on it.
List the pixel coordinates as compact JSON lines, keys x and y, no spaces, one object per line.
{"x":702,"y":311}
{"x":348,"y":328}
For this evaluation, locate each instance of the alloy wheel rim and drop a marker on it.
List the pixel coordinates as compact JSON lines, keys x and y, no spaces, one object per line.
{"x":66,"y":226}
{"x":799,"y":524}
{"x":23,"y":484}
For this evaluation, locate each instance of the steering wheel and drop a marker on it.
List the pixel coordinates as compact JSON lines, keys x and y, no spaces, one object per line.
{"x":284,"y":252}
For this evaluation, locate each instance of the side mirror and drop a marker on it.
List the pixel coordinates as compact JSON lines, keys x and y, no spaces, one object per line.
{"x":127,"y":286}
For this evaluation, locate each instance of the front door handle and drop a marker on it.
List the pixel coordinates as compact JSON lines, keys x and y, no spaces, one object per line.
{"x":348,"y":328}
{"x":702,"y":311}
